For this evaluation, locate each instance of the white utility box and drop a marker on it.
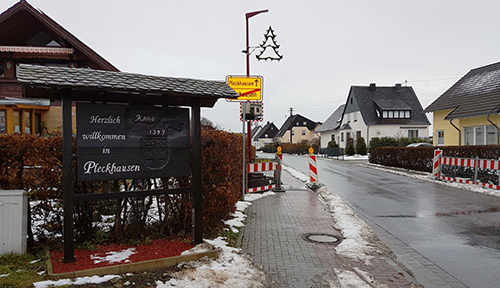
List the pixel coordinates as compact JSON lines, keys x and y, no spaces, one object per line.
{"x":13,"y":221}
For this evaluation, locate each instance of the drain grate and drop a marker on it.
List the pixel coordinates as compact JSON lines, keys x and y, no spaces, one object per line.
{"x":322,"y":238}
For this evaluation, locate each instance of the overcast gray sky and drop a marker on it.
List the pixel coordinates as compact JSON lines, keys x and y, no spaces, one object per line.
{"x":327,"y":46}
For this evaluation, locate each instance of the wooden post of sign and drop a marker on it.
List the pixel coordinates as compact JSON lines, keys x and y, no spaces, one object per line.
{"x":196,"y":171}
{"x":67,"y":178}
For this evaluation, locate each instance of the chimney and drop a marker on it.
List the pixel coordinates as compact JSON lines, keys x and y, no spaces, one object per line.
{"x":398,"y":87}
{"x":373,"y":86}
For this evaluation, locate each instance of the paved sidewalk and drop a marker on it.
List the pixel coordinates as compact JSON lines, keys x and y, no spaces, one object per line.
{"x":273,"y":236}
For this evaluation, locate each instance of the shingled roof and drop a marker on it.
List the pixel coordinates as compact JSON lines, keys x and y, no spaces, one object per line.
{"x":333,"y":122}
{"x":120,"y":87}
{"x":292,"y":121}
{"x":391,"y":97}
{"x":475,"y":94}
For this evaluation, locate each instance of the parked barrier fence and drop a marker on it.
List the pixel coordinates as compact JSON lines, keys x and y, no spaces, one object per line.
{"x":258,"y":181}
{"x":473,"y":165}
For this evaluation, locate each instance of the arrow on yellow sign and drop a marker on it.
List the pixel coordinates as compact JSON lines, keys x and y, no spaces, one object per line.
{"x":249,"y":88}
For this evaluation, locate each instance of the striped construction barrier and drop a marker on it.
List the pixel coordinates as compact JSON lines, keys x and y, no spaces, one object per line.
{"x":468,"y":162}
{"x":262,"y":188}
{"x":464,"y":162}
{"x":437,"y":158}
{"x":313,"y":167}
{"x":261,"y":167}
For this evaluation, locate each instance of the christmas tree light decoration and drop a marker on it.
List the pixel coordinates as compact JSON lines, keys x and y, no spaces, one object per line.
{"x":269,"y":47}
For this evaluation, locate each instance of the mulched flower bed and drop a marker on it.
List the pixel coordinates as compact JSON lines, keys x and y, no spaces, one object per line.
{"x":88,"y":259}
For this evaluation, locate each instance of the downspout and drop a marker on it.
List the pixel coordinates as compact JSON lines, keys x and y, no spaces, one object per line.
{"x":459,"y":133}
{"x":368,"y":136}
{"x":494,"y":125}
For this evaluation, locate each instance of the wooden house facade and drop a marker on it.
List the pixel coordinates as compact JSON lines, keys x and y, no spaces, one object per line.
{"x":28,"y":36}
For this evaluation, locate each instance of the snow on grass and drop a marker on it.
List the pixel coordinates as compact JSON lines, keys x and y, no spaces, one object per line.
{"x":231,"y":269}
{"x":76,"y":281}
{"x":356,"y":157}
{"x":114,"y":256}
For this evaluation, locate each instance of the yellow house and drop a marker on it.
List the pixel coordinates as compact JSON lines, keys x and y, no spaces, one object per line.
{"x":468,"y":113}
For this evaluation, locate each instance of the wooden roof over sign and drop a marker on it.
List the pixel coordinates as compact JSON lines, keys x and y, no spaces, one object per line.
{"x":119,"y":87}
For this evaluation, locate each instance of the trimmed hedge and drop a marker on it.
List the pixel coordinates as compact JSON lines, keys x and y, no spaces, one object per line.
{"x":377,"y":142}
{"x":34,"y":164}
{"x":295,"y":148}
{"x":420,"y":158}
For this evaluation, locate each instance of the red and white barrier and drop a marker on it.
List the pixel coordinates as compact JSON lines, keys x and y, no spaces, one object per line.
{"x":437,"y":158}
{"x":313,"y":168}
{"x":261,"y":167}
{"x":463,"y":162}
{"x":263,"y":188}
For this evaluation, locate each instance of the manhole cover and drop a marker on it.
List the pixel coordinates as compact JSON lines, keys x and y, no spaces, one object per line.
{"x":322,"y":238}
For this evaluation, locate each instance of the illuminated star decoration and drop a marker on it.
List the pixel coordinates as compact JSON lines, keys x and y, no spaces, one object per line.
{"x":269,"y":47}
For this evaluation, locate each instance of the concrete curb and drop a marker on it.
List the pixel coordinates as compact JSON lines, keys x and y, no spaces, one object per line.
{"x":132,"y":267}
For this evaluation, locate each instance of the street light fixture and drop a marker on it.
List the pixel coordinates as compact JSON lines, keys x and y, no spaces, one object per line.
{"x":249,"y":126}
{"x":248,"y":16}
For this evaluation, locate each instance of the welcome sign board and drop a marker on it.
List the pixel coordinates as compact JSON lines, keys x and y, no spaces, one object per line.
{"x":126,"y":142}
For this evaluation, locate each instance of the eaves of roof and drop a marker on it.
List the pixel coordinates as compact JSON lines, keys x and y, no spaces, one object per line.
{"x":332,"y":123}
{"x":120,"y":87}
{"x":475,"y":94}
{"x":23,"y":6}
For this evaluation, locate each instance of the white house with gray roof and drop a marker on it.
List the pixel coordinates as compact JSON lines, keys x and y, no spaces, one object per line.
{"x":329,"y":130}
{"x":372,"y":111}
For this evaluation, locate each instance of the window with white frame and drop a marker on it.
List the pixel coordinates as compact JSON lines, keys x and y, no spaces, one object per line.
{"x":440,"y":137}
{"x":355,"y":117}
{"x":481,"y":135}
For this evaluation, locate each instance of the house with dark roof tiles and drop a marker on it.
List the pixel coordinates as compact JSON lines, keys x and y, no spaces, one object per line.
{"x":296,"y":129}
{"x":373,"y":111}
{"x":265,"y":135}
{"x":468,"y":113}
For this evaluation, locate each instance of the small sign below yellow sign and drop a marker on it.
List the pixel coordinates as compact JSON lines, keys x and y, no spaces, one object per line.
{"x":249,"y":88}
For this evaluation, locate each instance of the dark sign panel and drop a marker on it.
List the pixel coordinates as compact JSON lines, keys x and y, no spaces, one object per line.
{"x":125,"y":142}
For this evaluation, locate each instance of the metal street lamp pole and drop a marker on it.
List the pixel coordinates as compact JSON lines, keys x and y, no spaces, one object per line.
{"x":249,"y":125}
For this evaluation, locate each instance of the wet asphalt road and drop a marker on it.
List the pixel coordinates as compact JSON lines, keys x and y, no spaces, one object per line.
{"x":457,"y":230}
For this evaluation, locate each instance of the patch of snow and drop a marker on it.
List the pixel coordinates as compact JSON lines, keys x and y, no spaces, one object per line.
{"x":231,"y":269}
{"x":356,"y":157}
{"x":202,"y":247}
{"x":348,"y":278}
{"x":254,"y":196}
{"x":114,"y":256}
{"x":299,"y":175}
{"x":76,"y":281}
